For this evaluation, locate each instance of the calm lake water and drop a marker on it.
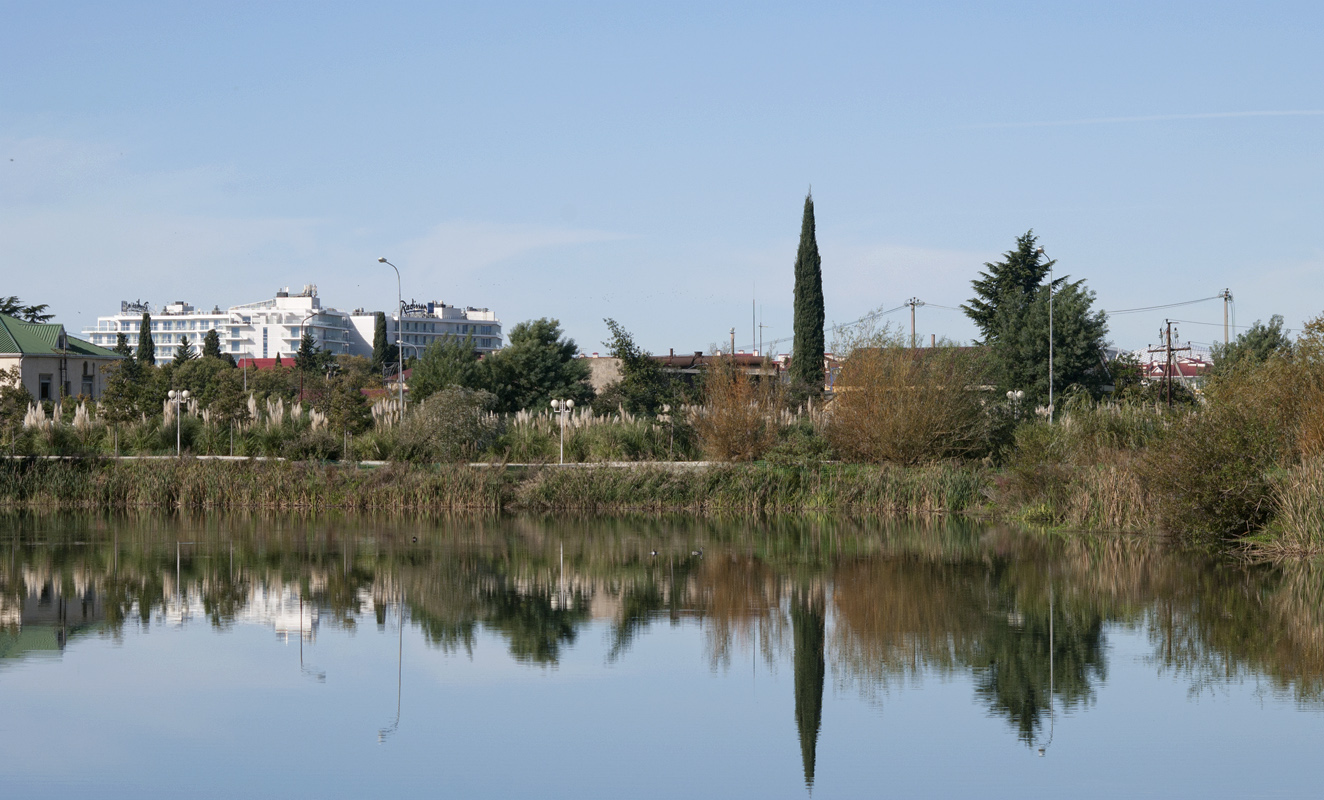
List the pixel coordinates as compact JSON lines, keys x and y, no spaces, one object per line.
{"x":511,"y":657}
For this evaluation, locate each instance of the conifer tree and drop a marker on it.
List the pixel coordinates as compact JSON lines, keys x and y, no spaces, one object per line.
{"x":807,"y":353}
{"x":306,"y":358}
{"x":184,"y":351}
{"x":381,"y":349}
{"x":1008,"y":286}
{"x":122,"y":345}
{"x":211,"y":344}
{"x":146,"y":347}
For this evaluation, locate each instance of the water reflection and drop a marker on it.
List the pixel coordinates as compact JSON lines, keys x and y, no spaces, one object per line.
{"x":879,"y":605}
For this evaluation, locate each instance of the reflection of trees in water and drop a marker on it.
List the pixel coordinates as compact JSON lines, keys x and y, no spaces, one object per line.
{"x":809,"y":625}
{"x":906,"y":599}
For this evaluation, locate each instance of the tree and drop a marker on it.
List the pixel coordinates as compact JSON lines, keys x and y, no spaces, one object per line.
{"x":808,"y":626}
{"x":122,"y":345}
{"x":14,"y":307}
{"x":1014,"y":281}
{"x":450,"y":362}
{"x":306,"y":358}
{"x":146,"y":347}
{"x":184,"y":351}
{"x":120,"y":401}
{"x":1254,"y":346}
{"x":807,"y":353}
{"x":1020,"y":344}
{"x":211,"y":344}
{"x":383,"y":352}
{"x":14,"y":401}
{"x":537,"y":366}
{"x":643,"y":387}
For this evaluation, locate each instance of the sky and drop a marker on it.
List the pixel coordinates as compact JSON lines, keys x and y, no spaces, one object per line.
{"x":649,"y":162}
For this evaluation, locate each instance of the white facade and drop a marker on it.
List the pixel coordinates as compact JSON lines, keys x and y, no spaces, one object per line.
{"x":253,"y":330}
{"x":425,"y":323}
{"x":273,"y":327}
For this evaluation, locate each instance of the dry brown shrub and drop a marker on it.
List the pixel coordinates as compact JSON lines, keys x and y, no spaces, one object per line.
{"x":738,"y":419}
{"x":908,"y":405}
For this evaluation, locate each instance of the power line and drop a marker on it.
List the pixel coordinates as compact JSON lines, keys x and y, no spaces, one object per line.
{"x":1166,"y":305}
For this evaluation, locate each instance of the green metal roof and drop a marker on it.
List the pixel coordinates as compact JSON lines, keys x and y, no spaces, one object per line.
{"x":43,"y":339}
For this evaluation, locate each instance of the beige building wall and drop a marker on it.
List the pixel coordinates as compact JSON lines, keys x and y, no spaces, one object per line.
{"x":84,"y":373}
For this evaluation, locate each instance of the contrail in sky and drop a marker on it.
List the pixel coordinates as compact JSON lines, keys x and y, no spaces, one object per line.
{"x":1152,"y":118}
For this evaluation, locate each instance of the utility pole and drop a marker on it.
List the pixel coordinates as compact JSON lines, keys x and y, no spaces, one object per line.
{"x":912,"y":302}
{"x":1227,"y":299}
{"x":1167,"y":349}
{"x":761,"y":327}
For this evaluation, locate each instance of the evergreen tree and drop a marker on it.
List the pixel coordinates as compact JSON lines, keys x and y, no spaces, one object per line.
{"x":122,"y":345}
{"x":184,"y":351}
{"x":14,"y":307}
{"x":278,"y":358}
{"x":1254,"y":346}
{"x":306,"y":358}
{"x":383,"y":352}
{"x":537,"y":366}
{"x":1020,"y":344}
{"x":1012,"y":281}
{"x":146,"y":347}
{"x":807,"y":353}
{"x":211,"y":344}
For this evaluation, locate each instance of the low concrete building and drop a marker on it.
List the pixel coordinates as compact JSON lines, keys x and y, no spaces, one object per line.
{"x":52,"y":363}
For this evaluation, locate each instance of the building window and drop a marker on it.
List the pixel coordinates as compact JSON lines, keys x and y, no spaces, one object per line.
{"x":43,"y":387}
{"x":264,"y":342}
{"x":234,"y":347}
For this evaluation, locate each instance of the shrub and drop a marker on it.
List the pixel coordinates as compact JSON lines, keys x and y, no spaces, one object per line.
{"x":454,"y":424}
{"x":908,"y":406}
{"x":738,"y":420}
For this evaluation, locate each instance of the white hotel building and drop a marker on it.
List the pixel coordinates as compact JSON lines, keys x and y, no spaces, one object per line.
{"x":274,"y":327}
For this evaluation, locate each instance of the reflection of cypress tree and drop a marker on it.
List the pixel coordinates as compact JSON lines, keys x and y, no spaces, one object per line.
{"x":807,"y":620}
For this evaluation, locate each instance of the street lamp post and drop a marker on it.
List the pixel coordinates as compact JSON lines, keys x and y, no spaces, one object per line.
{"x":1040,"y":252}
{"x":399,"y":319}
{"x":178,"y":398}
{"x":563,"y":408}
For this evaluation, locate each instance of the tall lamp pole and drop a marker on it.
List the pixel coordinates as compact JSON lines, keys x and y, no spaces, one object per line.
{"x":178,"y":397}
{"x":1040,"y":252}
{"x":399,"y":319}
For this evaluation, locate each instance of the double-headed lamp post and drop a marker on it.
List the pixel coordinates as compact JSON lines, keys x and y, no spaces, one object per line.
{"x":178,"y":398}
{"x":399,"y":320}
{"x":563,"y":408}
{"x":1040,"y":252}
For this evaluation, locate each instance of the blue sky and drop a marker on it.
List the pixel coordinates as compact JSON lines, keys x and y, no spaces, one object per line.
{"x":648,"y":162}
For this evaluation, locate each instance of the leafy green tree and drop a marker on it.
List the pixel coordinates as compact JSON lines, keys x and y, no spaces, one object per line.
{"x":202,"y":377}
{"x":1255,"y":346}
{"x":537,"y":365}
{"x":346,"y":407}
{"x":14,"y":402}
{"x":306,"y":358}
{"x":1019,"y":344}
{"x":14,"y":307}
{"x":226,"y":398}
{"x":807,"y":352}
{"x":120,"y":399}
{"x":450,"y":362}
{"x":643,"y":387}
{"x":358,"y":372}
{"x":1008,"y":287}
{"x":211,"y":344}
{"x":184,"y":351}
{"x":146,"y":347}
{"x":122,"y":345}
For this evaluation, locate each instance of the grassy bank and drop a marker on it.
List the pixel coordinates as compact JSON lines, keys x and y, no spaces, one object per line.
{"x":195,"y":484}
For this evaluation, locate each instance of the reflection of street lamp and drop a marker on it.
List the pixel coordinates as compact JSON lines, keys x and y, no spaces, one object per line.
{"x":178,"y":397}
{"x":399,"y":671}
{"x":1043,"y":749}
{"x":1037,"y":253}
{"x":399,"y":321}
{"x":563,"y":408}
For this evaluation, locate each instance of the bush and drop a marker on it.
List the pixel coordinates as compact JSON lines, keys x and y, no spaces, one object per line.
{"x":454,"y":424}
{"x":908,"y":406}
{"x":738,"y":420}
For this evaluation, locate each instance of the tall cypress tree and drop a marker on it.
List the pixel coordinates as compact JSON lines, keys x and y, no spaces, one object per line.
{"x":807,"y":354}
{"x":146,"y":347}
{"x":383,"y":352}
